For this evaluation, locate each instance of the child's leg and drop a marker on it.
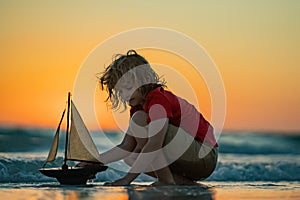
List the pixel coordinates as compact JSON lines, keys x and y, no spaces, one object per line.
{"x":191,"y":160}
{"x":133,"y":156}
{"x":137,"y":123}
{"x":164,"y":175}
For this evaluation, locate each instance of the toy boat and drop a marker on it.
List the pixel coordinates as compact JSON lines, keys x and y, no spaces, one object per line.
{"x":79,"y":146}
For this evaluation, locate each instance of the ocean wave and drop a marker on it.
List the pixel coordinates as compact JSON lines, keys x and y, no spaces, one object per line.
{"x":37,"y":140}
{"x":277,"y":171}
{"x":243,"y":156}
{"x":23,"y":169}
{"x":259,"y":143}
{"x":25,"y":140}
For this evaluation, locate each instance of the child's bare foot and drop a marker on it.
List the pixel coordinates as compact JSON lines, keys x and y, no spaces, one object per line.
{"x":158,"y":183}
{"x":181,"y":180}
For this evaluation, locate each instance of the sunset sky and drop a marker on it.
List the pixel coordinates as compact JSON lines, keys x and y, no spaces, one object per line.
{"x":255,"y":45}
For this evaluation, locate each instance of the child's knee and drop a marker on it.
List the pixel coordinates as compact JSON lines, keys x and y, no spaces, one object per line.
{"x":138,"y":125}
{"x":140,"y":118}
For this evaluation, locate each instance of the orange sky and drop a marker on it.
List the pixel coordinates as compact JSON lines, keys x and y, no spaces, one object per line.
{"x":255,"y":45}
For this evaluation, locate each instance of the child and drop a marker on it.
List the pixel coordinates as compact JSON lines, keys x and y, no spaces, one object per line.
{"x":167,"y":137}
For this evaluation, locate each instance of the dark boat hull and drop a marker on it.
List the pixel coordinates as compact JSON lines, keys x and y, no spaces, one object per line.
{"x":73,"y":175}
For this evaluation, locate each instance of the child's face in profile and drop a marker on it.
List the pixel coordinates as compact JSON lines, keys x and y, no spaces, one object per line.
{"x":129,"y":92}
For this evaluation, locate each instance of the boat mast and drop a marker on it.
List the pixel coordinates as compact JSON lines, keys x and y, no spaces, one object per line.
{"x":65,"y":166}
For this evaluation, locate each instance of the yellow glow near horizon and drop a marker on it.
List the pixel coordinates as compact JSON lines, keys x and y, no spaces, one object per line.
{"x":255,"y":44}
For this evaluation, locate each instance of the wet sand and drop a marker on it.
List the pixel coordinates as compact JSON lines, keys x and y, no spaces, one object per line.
{"x":210,"y":190}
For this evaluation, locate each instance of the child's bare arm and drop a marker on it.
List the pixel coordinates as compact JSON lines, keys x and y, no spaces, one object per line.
{"x":120,"y":151}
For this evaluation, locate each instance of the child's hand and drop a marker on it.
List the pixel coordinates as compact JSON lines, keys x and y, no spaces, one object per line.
{"x":119,"y":182}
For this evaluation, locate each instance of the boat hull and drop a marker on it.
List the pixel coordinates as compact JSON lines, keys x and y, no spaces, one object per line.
{"x":72,"y":175}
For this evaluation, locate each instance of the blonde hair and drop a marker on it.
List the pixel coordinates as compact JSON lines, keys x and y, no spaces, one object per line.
{"x":130,"y":65}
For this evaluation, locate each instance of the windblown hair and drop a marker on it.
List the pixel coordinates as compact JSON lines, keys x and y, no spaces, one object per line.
{"x":132,"y":66}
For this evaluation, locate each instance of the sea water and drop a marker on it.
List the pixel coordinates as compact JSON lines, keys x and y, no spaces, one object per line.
{"x":246,"y":159}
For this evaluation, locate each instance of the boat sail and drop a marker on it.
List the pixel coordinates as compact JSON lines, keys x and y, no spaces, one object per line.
{"x":79,"y":146}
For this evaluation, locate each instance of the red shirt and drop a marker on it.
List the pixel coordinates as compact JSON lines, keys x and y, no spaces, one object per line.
{"x":160,"y":103}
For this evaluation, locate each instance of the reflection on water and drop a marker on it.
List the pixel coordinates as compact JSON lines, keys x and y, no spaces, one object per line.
{"x":216,"y":191}
{"x":47,"y":192}
{"x":171,"y":192}
{"x":140,"y":192}
{"x":100,"y":193}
